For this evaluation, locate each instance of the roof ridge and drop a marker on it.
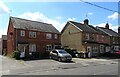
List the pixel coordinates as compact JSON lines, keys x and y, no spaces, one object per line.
{"x":30,"y":20}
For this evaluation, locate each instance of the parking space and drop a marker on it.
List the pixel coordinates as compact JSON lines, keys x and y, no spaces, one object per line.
{"x":21,"y":66}
{"x":50,"y":62}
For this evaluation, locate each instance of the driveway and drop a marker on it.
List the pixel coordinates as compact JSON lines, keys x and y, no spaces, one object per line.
{"x":20,"y":67}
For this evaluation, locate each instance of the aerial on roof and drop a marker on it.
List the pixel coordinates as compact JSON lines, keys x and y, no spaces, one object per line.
{"x":83,"y":27}
{"x":20,"y":23}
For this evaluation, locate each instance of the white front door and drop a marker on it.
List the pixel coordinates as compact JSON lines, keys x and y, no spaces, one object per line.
{"x":102,"y":49}
{"x":89,"y":50}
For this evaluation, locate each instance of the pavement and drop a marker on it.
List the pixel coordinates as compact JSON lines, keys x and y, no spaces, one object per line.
{"x":52,"y":67}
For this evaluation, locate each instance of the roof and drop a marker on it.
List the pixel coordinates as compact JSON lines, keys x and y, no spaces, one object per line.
{"x":83,"y":27}
{"x":4,"y":37}
{"x":109,"y":31}
{"x":96,"y":29}
{"x":19,"y":23}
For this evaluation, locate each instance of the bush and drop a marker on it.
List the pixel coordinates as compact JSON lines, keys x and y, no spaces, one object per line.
{"x":16,"y":55}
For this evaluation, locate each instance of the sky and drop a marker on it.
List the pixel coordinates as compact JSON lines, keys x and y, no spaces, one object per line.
{"x":58,"y":13}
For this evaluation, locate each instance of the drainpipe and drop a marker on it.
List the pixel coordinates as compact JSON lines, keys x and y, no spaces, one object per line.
{"x":16,"y":39}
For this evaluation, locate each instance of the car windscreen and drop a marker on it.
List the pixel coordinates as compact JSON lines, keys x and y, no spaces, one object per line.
{"x":62,"y":51}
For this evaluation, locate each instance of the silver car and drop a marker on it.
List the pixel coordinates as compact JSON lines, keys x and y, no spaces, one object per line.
{"x":60,"y":55}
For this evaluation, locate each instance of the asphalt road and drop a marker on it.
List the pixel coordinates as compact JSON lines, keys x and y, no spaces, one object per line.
{"x":51,"y":67}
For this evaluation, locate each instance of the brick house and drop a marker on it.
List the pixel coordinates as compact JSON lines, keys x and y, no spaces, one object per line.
{"x":31,"y":36}
{"x":83,"y":37}
{"x":113,"y":37}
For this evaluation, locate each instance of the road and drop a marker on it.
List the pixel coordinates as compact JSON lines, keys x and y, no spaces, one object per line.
{"x":50,"y":67}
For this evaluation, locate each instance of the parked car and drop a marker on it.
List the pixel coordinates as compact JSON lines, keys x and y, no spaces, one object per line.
{"x":112,"y":53}
{"x":116,"y":54}
{"x":60,"y":55}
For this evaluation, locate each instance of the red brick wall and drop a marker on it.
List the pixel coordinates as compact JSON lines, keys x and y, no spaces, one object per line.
{"x":10,"y":38}
{"x":40,"y":40}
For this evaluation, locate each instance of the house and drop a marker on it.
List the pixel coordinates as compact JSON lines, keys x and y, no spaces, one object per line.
{"x":113,"y":37}
{"x":102,"y":39}
{"x":119,"y":36}
{"x":31,"y":36}
{"x":4,"y":44}
{"x":83,"y":37}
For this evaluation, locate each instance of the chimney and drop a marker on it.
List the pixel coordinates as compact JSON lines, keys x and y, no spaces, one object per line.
{"x":107,"y":26}
{"x":86,"y":22}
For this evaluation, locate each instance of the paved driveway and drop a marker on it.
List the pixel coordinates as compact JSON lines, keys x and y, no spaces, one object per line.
{"x":11,"y":66}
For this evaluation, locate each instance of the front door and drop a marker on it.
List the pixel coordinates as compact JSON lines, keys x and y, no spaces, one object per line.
{"x":22,"y":48}
{"x":89,"y":50}
{"x":102,"y":49}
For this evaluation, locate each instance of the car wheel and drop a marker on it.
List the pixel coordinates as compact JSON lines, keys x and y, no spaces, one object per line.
{"x":59,"y":59}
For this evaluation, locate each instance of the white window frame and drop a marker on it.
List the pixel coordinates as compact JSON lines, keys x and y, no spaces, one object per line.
{"x":56,"y":36}
{"x":102,"y":38}
{"x":22,"y":33}
{"x":48,"y":36}
{"x":87,"y":36}
{"x":32,"y":34}
{"x":48,"y":47}
{"x":97,"y":37}
{"x":113,"y":40}
{"x":32,"y":47}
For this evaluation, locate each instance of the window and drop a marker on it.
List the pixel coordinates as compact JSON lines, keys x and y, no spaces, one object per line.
{"x":93,"y":37}
{"x":56,"y":36}
{"x":48,"y":36}
{"x":32,"y":48}
{"x":97,"y":37}
{"x":32,"y":34}
{"x":22,"y":33}
{"x":48,"y":47}
{"x":113,"y":40}
{"x":102,"y":38}
{"x":87,"y":36}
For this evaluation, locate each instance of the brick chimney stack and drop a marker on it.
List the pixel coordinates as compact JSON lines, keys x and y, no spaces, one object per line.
{"x":107,"y":26}
{"x":86,"y":22}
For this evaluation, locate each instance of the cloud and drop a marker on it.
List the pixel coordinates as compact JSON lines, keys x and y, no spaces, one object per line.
{"x":3,"y":8}
{"x":59,"y":17}
{"x":113,"y":16}
{"x":3,"y":31}
{"x":115,"y":28}
{"x":90,"y":13}
{"x":37,"y":16}
{"x":71,"y":19}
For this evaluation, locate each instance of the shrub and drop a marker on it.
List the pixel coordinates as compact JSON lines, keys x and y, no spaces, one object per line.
{"x":16,"y":55}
